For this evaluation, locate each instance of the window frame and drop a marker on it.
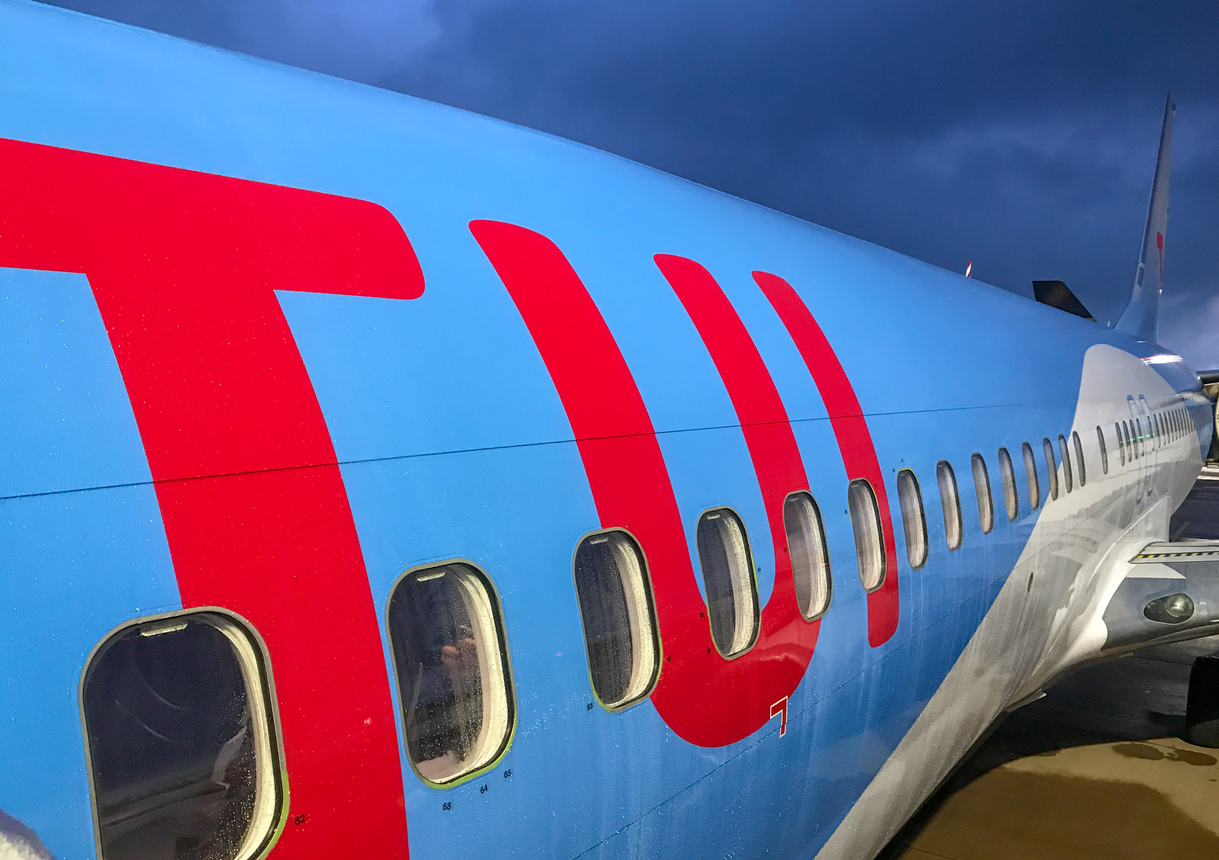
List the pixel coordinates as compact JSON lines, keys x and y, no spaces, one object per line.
{"x":277,"y":815}
{"x":958,"y":521}
{"x":1051,"y":466}
{"x":752,"y":566}
{"x":653,"y":618}
{"x":986,"y":507}
{"x":880,"y":535}
{"x":922,"y":518}
{"x":509,"y":678}
{"x":1064,"y":451}
{"x":1007,"y":474}
{"x":825,"y":548}
{"x":1081,"y":468}
{"x":1031,"y":479}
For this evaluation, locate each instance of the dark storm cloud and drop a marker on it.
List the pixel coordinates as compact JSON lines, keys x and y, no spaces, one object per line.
{"x":1022,"y":137}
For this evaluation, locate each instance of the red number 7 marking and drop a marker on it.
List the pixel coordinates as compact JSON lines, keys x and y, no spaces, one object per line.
{"x":184,"y":268}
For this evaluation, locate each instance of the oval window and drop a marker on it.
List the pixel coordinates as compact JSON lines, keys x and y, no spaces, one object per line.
{"x":950,"y":502}
{"x":732,"y":591}
{"x":1030,"y":476}
{"x":1065,"y":453}
{"x":1080,"y":466}
{"x":869,"y":542}
{"x":986,"y":504}
{"x":619,"y":618}
{"x":183,"y":750}
{"x":451,"y":661}
{"x":1051,"y":466}
{"x":914,"y":520}
{"x":1011,"y":499}
{"x":809,"y":559}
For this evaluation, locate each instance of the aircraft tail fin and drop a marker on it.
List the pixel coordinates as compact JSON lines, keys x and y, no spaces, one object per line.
{"x":1141,"y":317}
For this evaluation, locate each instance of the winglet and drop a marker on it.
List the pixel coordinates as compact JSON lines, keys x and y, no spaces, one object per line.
{"x":1142,"y":316}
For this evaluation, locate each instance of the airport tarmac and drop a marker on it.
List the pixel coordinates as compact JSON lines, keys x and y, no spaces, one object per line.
{"x":1096,"y":770}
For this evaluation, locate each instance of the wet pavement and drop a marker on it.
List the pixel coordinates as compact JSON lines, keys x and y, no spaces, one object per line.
{"x":1095,"y":770}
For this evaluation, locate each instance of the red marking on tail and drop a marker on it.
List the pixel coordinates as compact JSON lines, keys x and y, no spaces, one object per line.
{"x":184,"y":266}
{"x":851,"y":431}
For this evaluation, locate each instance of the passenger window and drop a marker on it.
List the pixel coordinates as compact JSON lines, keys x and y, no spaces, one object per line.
{"x":1066,"y":462}
{"x":1051,"y":466}
{"x":1010,"y":499}
{"x":809,"y":558}
{"x":986,"y":505}
{"x":914,"y":520}
{"x":1030,"y":475}
{"x":1121,"y":444}
{"x":1080,"y":466}
{"x":619,"y":618}
{"x":1104,"y":454}
{"x":183,"y":751}
{"x":451,"y":661}
{"x":869,"y":543}
{"x":1140,"y":440}
{"x":950,"y":503}
{"x":732,"y":591}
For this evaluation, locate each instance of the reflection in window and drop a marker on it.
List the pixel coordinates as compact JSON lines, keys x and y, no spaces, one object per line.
{"x":1139,"y":440}
{"x":1051,"y":466}
{"x":451,"y":660}
{"x":913,"y":519}
{"x":1104,"y":454}
{"x":1011,"y":500}
{"x":1066,"y":462}
{"x":181,"y":741}
{"x":619,"y":618}
{"x":949,"y":502}
{"x":986,"y":505}
{"x":809,"y":559}
{"x":1121,"y":444}
{"x":1030,"y":476}
{"x":1080,"y":466}
{"x":869,"y":542}
{"x":732,"y":591}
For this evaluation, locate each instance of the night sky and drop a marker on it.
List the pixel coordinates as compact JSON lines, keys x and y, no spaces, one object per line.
{"x":1019,"y":135}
